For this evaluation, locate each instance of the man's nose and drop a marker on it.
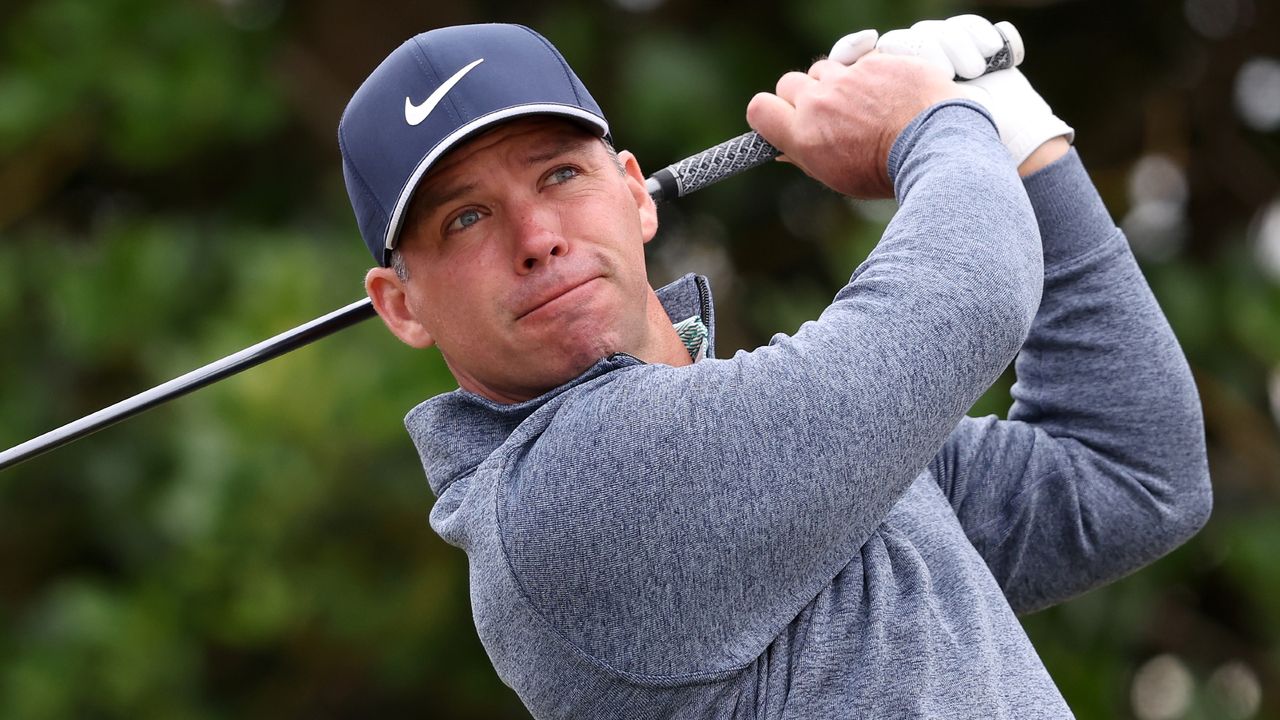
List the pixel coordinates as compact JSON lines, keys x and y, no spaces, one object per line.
{"x":538,"y":238}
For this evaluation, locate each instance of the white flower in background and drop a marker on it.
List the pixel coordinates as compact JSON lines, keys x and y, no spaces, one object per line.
{"x":1162,"y":689}
{"x":1258,"y":94}
{"x":1235,"y":684}
{"x":1265,"y":235}
{"x":1216,"y":19}
{"x":1156,"y":222}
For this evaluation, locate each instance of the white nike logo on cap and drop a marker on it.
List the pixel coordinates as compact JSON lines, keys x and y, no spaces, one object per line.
{"x":415,"y":114}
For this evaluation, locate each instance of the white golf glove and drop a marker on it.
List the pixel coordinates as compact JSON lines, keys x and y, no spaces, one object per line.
{"x":849,"y":48}
{"x":960,"y":46}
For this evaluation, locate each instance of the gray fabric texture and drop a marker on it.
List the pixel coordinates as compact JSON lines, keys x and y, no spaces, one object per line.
{"x":814,"y":529}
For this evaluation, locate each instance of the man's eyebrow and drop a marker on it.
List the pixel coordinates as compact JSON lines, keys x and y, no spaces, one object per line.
{"x":563,"y":145}
{"x":432,"y":198}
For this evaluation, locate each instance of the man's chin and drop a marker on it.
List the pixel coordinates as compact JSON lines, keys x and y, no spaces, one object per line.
{"x":582,"y":361}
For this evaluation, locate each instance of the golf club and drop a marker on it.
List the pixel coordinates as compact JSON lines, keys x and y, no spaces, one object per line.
{"x":689,"y":175}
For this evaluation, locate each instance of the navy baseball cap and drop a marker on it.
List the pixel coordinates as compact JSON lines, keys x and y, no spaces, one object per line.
{"x":435,"y":92}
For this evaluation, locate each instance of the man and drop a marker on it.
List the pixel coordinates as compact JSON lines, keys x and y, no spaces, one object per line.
{"x":811,"y":529}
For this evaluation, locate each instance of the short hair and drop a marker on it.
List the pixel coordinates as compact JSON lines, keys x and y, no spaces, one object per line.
{"x":397,"y":264}
{"x":613,"y":153}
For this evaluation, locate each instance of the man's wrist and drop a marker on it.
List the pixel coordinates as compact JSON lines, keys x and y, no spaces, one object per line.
{"x":1048,"y":153}
{"x":954,"y":110}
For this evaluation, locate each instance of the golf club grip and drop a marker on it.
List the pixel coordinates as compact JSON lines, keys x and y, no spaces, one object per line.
{"x":750,"y":149}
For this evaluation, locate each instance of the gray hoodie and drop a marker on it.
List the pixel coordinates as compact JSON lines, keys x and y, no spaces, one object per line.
{"x":814,"y":529}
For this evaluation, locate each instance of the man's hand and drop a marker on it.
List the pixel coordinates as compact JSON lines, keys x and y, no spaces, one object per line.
{"x":1028,"y":128}
{"x":838,"y":123}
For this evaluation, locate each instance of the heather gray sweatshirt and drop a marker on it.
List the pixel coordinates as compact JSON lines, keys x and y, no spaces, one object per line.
{"x":813,"y":529}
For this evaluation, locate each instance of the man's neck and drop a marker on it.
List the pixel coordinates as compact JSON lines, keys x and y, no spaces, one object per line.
{"x":665,"y":346}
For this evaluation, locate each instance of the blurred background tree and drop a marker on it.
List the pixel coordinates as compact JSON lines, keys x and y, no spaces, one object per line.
{"x":170,"y":192}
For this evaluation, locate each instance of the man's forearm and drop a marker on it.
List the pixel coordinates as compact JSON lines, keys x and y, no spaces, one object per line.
{"x":1101,"y":466}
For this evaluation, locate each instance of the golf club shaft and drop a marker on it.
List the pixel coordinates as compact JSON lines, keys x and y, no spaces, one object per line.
{"x":689,"y":175}
{"x":194,"y":380}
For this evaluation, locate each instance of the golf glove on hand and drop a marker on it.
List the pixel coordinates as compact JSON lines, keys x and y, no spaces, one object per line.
{"x":960,"y":46}
{"x":849,"y":48}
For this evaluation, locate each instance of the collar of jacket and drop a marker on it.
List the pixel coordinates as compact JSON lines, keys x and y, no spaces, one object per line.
{"x":456,"y":431}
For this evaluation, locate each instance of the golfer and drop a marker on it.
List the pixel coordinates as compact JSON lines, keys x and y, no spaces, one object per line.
{"x":811,"y":529}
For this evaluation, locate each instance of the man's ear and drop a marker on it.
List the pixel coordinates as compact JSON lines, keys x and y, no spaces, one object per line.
{"x":387,"y":292}
{"x":635,"y":183}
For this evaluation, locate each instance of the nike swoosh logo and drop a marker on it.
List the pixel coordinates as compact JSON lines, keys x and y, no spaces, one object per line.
{"x":415,"y":114}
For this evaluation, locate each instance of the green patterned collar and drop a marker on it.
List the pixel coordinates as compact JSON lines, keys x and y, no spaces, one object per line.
{"x":693,"y":333}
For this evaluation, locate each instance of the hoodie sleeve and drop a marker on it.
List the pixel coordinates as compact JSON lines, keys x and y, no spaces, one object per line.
{"x":1100,"y":467}
{"x":690,"y":513}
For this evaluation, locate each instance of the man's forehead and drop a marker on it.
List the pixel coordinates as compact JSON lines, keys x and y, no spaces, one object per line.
{"x":524,"y":140}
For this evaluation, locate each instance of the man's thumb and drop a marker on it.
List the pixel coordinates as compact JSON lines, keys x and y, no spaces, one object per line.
{"x":772,"y":117}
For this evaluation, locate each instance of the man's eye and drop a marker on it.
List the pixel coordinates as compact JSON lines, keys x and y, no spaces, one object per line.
{"x":560,"y":175}
{"x":464,"y":220}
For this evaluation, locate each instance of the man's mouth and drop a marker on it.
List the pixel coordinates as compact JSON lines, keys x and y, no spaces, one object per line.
{"x":555,"y":295}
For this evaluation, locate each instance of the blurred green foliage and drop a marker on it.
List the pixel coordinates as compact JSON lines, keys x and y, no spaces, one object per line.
{"x":170,"y":192}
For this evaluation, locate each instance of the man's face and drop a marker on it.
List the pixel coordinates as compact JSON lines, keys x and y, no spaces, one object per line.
{"x":525,"y":259}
